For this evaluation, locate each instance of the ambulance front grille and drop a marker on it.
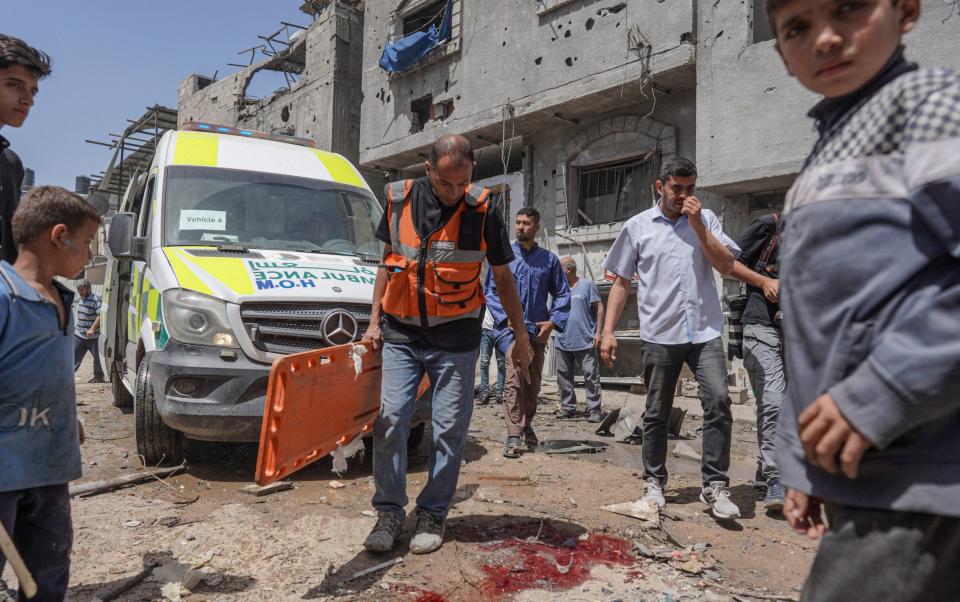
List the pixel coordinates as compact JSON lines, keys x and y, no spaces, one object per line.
{"x":297,"y":326}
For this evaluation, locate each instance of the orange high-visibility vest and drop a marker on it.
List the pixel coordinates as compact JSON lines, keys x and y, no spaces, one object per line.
{"x":436,"y":279}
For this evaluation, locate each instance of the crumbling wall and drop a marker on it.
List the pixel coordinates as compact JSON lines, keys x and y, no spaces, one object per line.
{"x":533,"y":55}
{"x":323,"y":104}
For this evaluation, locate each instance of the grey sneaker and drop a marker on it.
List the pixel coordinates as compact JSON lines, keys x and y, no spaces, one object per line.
{"x":595,"y":416}
{"x":653,"y":492}
{"x":567,"y":414}
{"x":774,"y":498}
{"x":428,"y":535}
{"x":384,"y":534}
{"x":717,"y":496}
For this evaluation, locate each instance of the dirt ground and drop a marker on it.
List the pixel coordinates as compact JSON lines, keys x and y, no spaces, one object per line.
{"x":527,"y":529}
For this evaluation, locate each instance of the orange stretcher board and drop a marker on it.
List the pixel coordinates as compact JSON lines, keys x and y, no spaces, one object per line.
{"x":315,"y":401}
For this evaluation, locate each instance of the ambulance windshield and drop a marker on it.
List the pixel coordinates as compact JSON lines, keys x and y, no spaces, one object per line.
{"x":211,"y":206}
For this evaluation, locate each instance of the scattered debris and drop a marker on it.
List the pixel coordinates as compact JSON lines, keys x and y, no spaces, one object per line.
{"x":127,"y":585}
{"x":375,"y":568}
{"x":683,"y":450}
{"x":748,"y":594}
{"x":336,"y":485}
{"x":508,"y":479}
{"x":257,"y":490}
{"x":560,"y":446}
{"x":133,"y":523}
{"x":95,"y":487}
{"x":369,"y":513}
{"x":344,"y":452}
{"x":642,"y":509}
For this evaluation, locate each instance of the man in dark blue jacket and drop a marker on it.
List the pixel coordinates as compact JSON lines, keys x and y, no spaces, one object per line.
{"x":869,"y":435}
{"x":539,"y":276}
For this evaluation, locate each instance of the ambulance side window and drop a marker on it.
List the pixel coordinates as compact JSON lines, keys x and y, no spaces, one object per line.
{"x":146,"y":208}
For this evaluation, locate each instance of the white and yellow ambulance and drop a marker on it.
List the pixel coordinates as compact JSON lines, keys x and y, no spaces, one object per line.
{"x":234,"y":248}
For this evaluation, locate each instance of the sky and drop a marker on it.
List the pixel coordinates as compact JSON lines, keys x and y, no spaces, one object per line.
{"x":114,"y":58}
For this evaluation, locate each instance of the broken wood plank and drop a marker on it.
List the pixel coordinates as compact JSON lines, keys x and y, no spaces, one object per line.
{"x":275,"y":487}
{"x":95,"y":487}
{"x":375,"y":568}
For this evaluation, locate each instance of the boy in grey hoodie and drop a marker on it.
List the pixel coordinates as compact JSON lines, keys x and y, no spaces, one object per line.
{"x":869,"y":435}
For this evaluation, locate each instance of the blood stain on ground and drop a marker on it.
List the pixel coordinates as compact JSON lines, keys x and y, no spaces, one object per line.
{"x":554,"y":561}
{"x":421,"y":594}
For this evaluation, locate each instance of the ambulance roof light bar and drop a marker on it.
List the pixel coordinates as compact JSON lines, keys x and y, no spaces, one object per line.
{"x":193,"y":126}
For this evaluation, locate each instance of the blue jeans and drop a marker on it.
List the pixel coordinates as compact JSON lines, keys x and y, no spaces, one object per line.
{"x":487,"y":349}
{"x":451,"y":375}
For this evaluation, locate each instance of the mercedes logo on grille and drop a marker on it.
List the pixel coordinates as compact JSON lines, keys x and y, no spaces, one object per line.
{"x":339,"y":328}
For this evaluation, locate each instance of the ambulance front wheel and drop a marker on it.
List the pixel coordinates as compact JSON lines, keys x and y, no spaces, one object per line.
{"x":157,"y":443}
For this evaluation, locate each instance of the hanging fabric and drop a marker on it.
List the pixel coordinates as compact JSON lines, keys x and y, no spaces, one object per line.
{"x":408,"y":50}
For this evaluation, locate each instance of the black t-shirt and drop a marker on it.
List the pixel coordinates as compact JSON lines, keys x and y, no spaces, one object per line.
{"x":429,"y":214}
{"x":752,"y":243}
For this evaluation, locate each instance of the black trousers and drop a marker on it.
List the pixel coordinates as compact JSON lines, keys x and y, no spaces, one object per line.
{"x":886,"y":556}
{"x":662,"y":365}
{"x":80,"y":350}
{"x":38,"y":521}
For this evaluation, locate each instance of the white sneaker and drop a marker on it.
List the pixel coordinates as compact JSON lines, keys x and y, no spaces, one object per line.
{"x":717,"y":496}
{"x":653,"y":492}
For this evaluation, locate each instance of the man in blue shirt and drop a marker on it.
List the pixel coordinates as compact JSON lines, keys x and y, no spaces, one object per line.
{"x":88,"y":330}
{"x":578,"y":342}
{"x":39,"y":432}
{"x":673,"y":249}
{"x":538,"y":275}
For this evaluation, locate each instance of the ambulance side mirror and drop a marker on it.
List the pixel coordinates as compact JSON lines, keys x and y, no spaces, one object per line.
{"x":122,"y":239}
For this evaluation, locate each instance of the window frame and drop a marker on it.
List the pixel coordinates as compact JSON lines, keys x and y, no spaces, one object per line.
{"x":578,"y":172}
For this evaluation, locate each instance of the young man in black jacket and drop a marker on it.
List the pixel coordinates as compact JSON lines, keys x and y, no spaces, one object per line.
{"x":21,"y":68}
{"x":868,"y":442}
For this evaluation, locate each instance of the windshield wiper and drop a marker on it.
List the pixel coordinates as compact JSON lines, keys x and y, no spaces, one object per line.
{"x":325,"y":252}
{"x":230,"y":248}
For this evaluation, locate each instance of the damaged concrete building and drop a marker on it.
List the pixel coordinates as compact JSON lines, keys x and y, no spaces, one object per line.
{"x":571,"y":104}
{"x":321,"y":98}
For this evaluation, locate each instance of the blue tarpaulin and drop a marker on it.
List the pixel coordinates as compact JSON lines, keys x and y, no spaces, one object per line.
{"x":408,"y":50}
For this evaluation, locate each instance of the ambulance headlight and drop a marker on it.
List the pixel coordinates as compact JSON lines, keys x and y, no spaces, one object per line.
{"x":197,"y":319}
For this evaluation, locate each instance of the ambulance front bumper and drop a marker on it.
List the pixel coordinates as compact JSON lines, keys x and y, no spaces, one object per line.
{"x":209,"y":393}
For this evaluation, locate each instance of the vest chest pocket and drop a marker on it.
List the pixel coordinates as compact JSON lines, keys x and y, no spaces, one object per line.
{"x":399,"y":298}
{"x":456,"y":284}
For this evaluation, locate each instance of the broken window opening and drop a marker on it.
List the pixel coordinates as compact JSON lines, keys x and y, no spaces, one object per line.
{"x":616,"y":191}
{"x":422,"y":111}
{"x":432,"y":14}
{"x":761,"y":30}
{"x":267,"y":82}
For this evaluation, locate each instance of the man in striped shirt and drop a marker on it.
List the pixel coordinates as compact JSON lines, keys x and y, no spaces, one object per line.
{"x":88,"y":330}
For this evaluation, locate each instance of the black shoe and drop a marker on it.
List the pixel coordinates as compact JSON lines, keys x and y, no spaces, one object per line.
{"x":428,"y":535}
{"x":96,"y":379}
{"x":384,"y":534}
{"x":595,"y":416}
{"x":567,"y":414}
{"x":530,"y":437}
